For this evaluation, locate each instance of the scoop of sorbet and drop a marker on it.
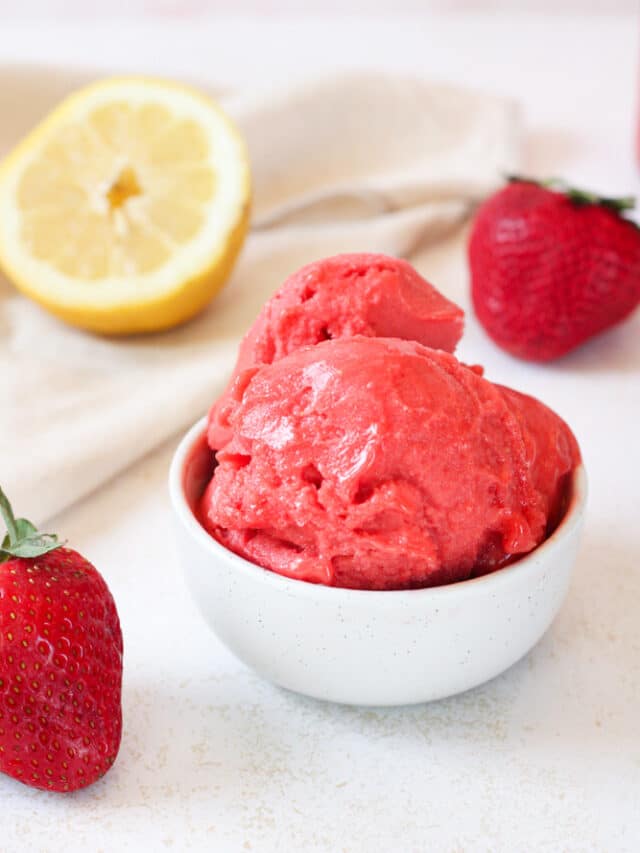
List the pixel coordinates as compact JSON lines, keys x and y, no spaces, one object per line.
{"x":359,"y":294}
{"x":376,"y":463}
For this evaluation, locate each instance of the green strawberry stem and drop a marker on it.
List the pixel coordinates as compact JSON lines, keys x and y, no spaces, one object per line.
{"x":22,"y":539}
{"x":9,"y":518}
{"x":579,"y":197}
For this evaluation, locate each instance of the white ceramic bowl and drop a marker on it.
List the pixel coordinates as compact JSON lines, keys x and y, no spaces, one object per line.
{"x":363,"y":647}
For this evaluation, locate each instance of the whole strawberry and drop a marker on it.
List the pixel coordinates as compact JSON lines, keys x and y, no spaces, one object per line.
{"x":60,"y":662}
{"x":550,"y":269}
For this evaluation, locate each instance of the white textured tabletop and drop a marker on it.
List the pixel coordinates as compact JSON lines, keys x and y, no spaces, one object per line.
{"x":545,"y":757}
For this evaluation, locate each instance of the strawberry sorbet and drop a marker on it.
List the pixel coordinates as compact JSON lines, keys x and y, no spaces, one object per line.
{"x":342,"y":296}
{"x":380,"y":463}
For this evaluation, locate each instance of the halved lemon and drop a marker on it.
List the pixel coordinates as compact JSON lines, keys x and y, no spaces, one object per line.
{"x":125,"y":209}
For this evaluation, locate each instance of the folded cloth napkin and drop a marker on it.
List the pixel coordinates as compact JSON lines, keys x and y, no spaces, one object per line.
{"x":358,"y":162}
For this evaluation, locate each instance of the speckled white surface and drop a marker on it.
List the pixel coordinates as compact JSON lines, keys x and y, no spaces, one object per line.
{"x":544,"y":758}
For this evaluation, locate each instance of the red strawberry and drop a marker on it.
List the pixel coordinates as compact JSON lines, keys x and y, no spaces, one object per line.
{"x":60,"y":662}
{"x":551,"y":269}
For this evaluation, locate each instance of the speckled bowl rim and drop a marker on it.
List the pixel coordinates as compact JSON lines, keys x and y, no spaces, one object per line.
{"x":490,"y":583}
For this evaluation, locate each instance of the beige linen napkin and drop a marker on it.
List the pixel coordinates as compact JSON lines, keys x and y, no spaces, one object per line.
{"x":359,"y":162}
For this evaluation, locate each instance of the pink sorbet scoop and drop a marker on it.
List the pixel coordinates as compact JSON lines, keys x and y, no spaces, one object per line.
{"x":373,"y":462}
{"x":338,"y":297}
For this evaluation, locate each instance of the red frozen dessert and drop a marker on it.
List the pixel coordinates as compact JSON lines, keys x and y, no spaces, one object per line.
{"x":372,"y":295}
{"x":379,"y":463}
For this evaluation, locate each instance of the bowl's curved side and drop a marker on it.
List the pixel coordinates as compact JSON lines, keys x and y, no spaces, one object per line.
{"x":377,"y":648}
{"x":371,"y":655}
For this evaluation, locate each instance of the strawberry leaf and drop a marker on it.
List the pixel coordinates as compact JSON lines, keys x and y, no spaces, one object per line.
{"x":23,"y":539}
{"x":25,"y":528}
{"x":579,"y":197}
{"x":32,"y":546}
